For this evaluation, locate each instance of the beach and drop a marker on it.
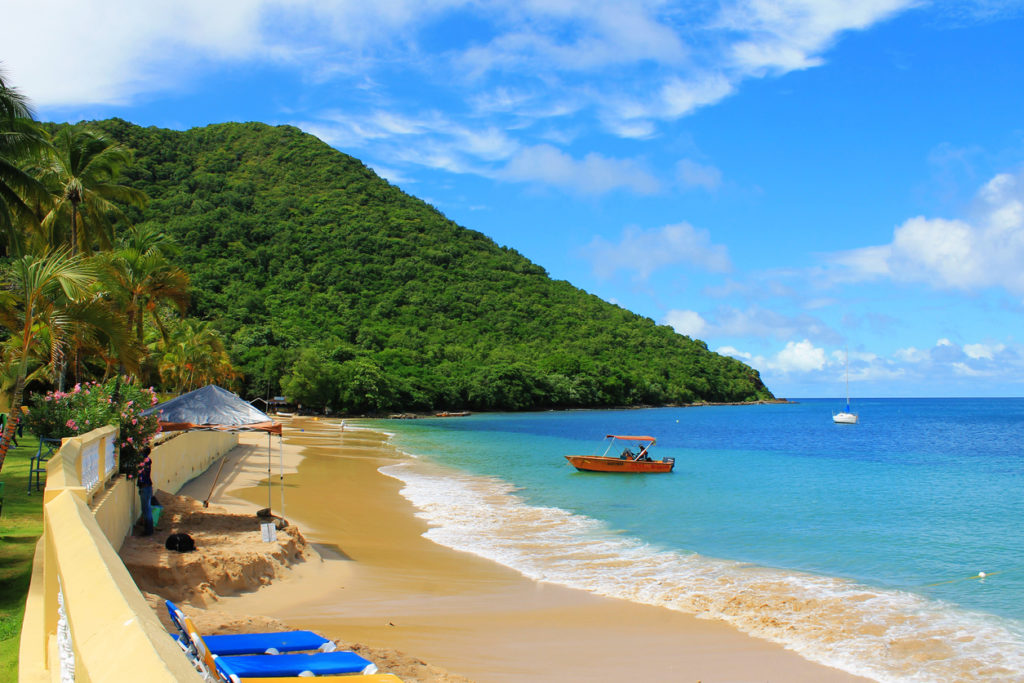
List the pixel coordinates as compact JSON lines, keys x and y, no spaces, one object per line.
{"x":378,"y":582}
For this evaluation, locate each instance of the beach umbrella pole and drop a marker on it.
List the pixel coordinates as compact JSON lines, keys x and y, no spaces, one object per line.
{"x":280,"y":447}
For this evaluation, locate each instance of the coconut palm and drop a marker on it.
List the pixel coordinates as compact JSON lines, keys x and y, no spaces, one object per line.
{"x":82,"y":173}
{"x":20,"y":140}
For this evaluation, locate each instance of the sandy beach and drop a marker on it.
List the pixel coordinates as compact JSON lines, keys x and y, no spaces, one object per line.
{"x":377,"y":581}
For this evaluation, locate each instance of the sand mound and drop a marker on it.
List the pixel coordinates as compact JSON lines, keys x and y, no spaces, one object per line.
{"x":230,"y":556}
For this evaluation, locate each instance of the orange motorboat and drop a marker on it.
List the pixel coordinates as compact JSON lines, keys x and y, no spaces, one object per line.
{"x":638,"y":461}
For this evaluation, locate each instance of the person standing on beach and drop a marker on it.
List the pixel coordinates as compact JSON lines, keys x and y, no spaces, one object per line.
{"x":145,"y":482}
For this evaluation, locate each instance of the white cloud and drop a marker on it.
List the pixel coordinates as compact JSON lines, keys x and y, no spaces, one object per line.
{"x":763,"y":323}
{"x":784,"y":35}
{"x":984,"y":251}
{"x":693,"y":174}
{"x":802,"y":356}
{"x":593,"y":174}
{"x":735,"y":353}
{"x":910,"y":355}
{"x":624,"y":67}
{"x":984,"y":351}
{"x":686,"y":322}
{"x":645,"y":251}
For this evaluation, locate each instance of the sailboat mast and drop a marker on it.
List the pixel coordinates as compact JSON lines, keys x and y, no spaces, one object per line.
{"x":847,"y":380}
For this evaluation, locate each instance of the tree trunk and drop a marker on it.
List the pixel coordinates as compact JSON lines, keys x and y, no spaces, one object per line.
{"x":13,"y":418}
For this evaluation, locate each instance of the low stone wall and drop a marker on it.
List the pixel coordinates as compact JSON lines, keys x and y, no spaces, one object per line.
{"x":85,"y":619}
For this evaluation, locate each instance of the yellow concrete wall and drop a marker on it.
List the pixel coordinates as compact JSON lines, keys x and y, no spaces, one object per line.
{"x":188,"y":455}
{"x":115,"y":635}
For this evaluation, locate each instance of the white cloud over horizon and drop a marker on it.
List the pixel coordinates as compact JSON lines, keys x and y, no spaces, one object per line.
{"x":807,"y":365}
{"x":983,"y":251}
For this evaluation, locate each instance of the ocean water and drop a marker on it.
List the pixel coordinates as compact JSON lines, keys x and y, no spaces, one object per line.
{"x":861,"y":547}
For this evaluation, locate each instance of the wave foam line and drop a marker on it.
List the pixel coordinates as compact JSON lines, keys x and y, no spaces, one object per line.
{"x":882,"y":634}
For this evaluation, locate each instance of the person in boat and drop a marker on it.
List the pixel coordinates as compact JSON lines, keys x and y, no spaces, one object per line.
{"x":642,"y":455}
{"x":626,"y":454}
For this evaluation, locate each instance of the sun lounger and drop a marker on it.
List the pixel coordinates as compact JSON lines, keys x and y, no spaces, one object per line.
{"x":247,"y":667}
{"x":226,"y":675}
{"x":312,"y":664}
{"x":251,"y":643}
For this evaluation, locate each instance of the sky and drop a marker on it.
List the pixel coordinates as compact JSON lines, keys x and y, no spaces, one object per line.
{"x":815,"y":187}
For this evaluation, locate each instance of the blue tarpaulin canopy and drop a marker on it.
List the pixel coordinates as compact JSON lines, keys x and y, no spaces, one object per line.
{"x":212,"y":408}
{"x":215,"y":408}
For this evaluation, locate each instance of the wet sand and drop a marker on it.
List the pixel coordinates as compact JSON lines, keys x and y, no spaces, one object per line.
{"x":381,"y":583}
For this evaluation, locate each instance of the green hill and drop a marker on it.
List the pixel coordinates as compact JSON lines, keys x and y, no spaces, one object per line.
{"x":348,"y":292}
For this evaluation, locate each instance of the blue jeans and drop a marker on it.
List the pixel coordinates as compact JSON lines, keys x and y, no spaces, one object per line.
{"x":146,"y":496}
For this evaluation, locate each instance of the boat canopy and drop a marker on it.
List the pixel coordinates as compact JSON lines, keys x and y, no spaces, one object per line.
{"x":631,"y":438}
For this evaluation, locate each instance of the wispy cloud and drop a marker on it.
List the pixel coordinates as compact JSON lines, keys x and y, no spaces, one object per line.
{"x":593,"y":174}
{"x":642,"y":252}
{"x":501,"y":89}
{"x":753,"y":322}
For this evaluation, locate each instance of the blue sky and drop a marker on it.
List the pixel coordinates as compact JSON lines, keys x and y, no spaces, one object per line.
{"x":784,"y":180}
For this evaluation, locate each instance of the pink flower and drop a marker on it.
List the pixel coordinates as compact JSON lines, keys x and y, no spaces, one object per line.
{"x":134,"y":421}
{"x":130,"y":440}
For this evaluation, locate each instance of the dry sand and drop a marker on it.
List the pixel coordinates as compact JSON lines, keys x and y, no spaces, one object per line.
{"x":370,"y":578}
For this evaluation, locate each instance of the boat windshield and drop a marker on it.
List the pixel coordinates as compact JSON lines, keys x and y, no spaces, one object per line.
{"x":643,"y":444}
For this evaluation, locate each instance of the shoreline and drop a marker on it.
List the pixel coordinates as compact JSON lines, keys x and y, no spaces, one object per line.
{"x":465,"y":413}
{"x":381,"y":583}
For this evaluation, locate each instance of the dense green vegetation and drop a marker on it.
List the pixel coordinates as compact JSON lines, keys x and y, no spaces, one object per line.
{"x":336,"y":288}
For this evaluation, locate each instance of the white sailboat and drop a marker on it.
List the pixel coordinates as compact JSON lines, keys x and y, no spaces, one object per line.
{"x":846,"y":417}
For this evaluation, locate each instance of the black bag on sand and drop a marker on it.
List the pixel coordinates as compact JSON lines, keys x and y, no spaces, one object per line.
{"x":183,"y":543}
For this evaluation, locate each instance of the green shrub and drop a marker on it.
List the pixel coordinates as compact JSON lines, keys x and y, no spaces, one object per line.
{"x":85,"y":407}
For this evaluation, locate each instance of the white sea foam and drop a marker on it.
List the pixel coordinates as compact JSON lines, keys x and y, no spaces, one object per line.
{"x":882,"y":634}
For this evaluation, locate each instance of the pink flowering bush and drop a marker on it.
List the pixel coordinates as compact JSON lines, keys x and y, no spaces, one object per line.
{"x":55,"y":415}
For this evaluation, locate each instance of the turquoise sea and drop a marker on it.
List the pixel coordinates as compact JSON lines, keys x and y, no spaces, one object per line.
{"x":892,"y":549}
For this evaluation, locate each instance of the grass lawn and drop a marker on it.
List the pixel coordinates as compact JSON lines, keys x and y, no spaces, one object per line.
{"x":21,"y":524}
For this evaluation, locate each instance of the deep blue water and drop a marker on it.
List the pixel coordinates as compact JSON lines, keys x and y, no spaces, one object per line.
{"x":908,"y":507}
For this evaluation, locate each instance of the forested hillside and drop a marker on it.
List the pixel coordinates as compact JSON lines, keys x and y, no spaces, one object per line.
{"x":336,"y":288}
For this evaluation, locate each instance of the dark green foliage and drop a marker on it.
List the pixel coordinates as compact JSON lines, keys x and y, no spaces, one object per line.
{"x":332,"y":285}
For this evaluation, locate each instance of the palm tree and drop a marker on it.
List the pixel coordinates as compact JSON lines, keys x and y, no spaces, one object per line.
{"x":139,"y":277}
{"x":38,"y":289}
{"x":195,"y":356}
{"x":20,"y":139}
{"x":82,"y":173}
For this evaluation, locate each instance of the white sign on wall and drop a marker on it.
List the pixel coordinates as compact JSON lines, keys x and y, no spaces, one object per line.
{"x":91,"y":465}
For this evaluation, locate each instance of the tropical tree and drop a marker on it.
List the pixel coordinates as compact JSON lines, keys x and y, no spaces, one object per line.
{"x":138,"y":277}
{"x":194,"y":356}
{"x":20,"y":139}
{"x":82,"y":173}
{"x":39,"y":290}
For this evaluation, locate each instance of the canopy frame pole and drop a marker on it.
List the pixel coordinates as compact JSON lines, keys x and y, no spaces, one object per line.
{"x":280,"y":485}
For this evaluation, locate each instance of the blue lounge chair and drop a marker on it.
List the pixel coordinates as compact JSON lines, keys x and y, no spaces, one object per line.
{"x":229,"y":676}
{"x":250,"y":643}
{"x":312,"y":664}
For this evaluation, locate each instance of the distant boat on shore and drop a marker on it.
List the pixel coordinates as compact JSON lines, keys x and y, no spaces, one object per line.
{"x":846,"y":417}
{"x":628,"y":461}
